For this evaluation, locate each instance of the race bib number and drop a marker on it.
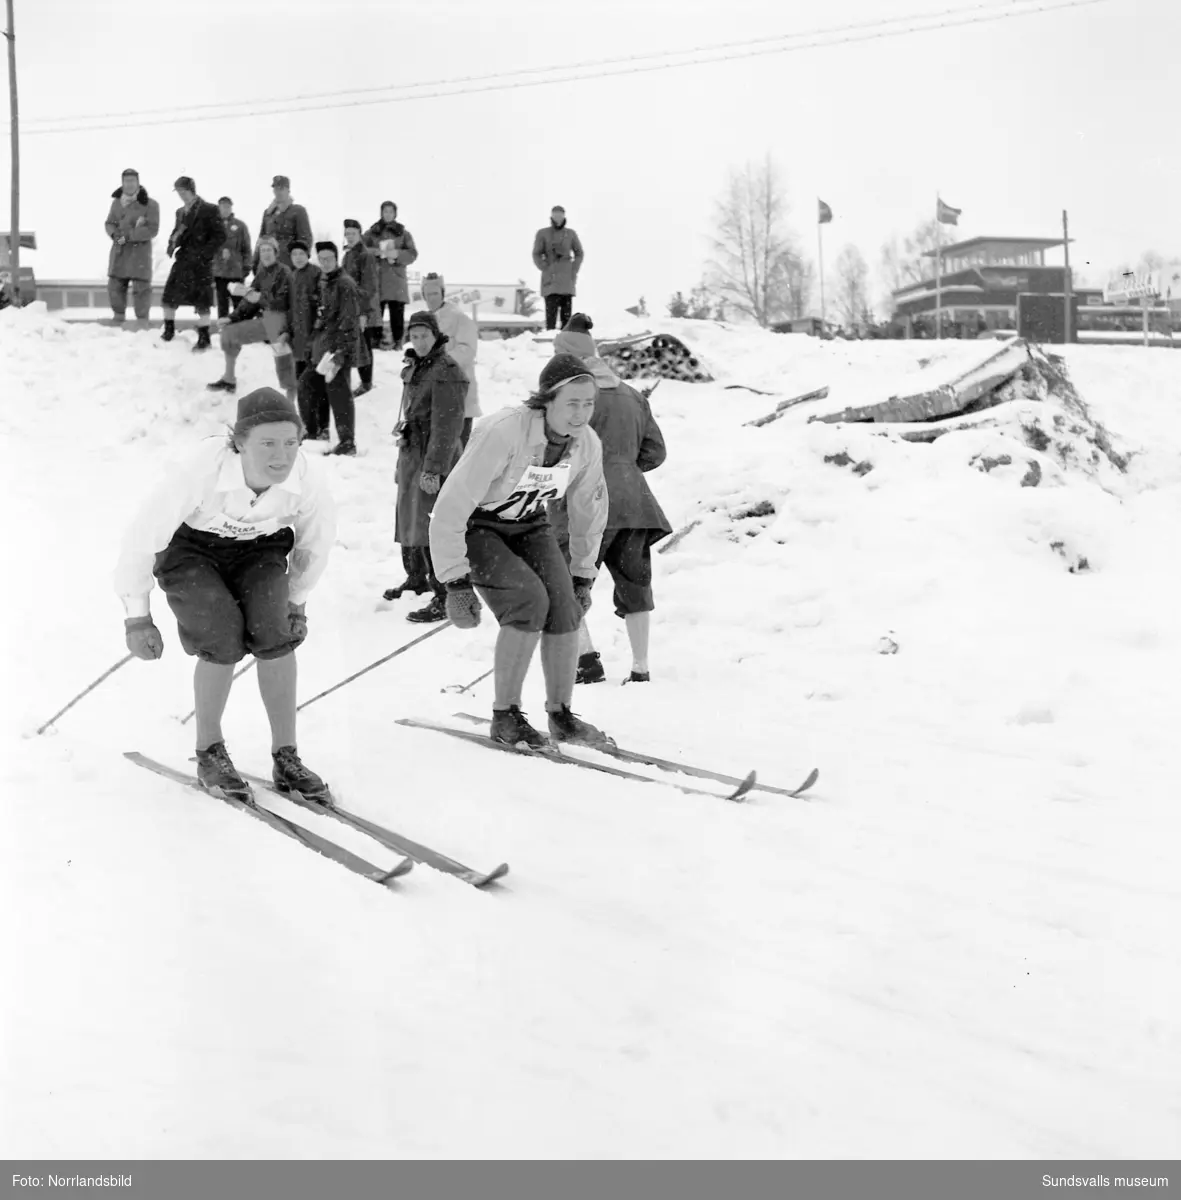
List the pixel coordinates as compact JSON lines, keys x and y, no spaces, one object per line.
{"x":535,"y":487}
{"x":227,"y":527}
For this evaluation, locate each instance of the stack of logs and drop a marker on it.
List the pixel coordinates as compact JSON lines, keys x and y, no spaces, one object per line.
{"x":650,"y":356}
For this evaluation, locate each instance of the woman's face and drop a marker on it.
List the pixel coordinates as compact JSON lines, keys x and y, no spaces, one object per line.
{"x":572,"y":406}
{"x":268,"y":452}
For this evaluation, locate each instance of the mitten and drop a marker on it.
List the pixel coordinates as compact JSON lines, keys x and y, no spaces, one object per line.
{"x":582,"y":593}
{"x":299,"y":623}
{"x":463,"y":605}
{"x":143,"y":638}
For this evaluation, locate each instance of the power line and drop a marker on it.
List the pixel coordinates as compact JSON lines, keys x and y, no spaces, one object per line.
{"x":526,"y":71}
{"x":625,"y":67}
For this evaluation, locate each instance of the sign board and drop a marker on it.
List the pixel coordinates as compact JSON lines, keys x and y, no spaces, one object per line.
{"x":491,"y":297}
{"x":1141,"y":285}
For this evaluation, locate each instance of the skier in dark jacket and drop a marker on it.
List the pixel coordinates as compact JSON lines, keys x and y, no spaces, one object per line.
{"x":337,"y":343}
{"x":429,"y":433}
{"x":284,"y":220}
{"x":194,"y":242}
{"x":360,"y":264}
{"x":305,"y":304}
{"x":264,"y":317}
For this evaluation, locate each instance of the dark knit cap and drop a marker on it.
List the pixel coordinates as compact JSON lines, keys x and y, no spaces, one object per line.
{"x":351,"y":224}
{"x":297,"y":244}
{"x":422,"y":317}
{"x":184,"y":183}
{"x":280,"y":181}
{"x":559,"y":370}
{"x":328,"y":246}
{"x":264,"y":406}
{"x":579,"y":323}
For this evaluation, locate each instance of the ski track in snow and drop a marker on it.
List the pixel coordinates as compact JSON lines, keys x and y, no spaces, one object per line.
{"x":961,"y":943}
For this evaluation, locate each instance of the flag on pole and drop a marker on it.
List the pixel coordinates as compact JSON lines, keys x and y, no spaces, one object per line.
{"x":945,"y":214}
{"x":825,"y":213}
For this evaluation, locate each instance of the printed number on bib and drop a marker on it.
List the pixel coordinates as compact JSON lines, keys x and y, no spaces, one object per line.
{"x":536,"y":486}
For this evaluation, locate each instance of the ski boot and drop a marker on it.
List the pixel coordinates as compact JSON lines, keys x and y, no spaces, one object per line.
{"x":510,"y":727}
{"x":203,"y":342}
{"x":638,"y":677}
{"x":169,"y":330}
{"x":290,"y":775}
{"x":346,"y":449}
{"x":564,"y":726}
{"x":416,"y":586}
{"x":216,"y":771}
{"x":222,"y":385}
{"x":436,"y":610}
{"x":590,"y":668}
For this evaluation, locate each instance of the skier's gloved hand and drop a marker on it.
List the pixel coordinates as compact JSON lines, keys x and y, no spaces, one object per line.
{"x":582,"y":593}
{"x":143,"y":638}
{"x":463,"y":605}
{"x":429,"y":483}
{"x":299,"y":623}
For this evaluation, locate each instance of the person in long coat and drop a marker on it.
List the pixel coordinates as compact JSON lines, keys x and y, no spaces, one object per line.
{"x":305,"y":304}
{"x":362,"y":266}
{"x":633,"y":445}
{"x":429,"y":430}
{"x":338,"y":343}
{"x":396,"y":250}
{"x":229,"y":266}
{"x":195,"y":240}
{"x":132,"y":222}
{"x":284,"y":220}
{"x":558,"y":255}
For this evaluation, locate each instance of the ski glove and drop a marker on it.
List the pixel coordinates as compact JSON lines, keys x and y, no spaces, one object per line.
{"x":143,"y":638}
{"x":463,"y":605}
{"x":582,"y":593}
{"x":299,"y":623}
{"x":429,"y":483}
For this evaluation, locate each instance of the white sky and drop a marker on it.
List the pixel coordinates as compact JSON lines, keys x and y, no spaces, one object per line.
{"x":1011,"y":121}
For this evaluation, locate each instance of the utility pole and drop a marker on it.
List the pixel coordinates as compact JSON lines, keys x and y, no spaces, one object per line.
{"x":14,"y":236}
{"x":1067,"y":282}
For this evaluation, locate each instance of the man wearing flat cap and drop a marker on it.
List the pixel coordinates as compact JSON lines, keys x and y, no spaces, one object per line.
{"x":193,"y":244}
{"x":284,"y":220}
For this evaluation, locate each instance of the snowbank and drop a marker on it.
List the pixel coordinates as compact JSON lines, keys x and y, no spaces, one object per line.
{"x":961,"y":945}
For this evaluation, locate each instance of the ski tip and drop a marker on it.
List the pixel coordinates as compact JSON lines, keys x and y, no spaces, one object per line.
{"x":813,"y":776}
{"x":397,"y":871}
{"x":740,"y":793}
{"x":493,"y":876}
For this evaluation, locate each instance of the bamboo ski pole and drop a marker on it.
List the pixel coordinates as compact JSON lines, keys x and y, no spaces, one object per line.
{"x":85,"y":691}
{"x":371,"y":666}
{"x":467,"y":687}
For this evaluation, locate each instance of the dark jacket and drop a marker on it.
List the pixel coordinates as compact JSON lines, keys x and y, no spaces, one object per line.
{"x":362,"y":267}
{"x":273,"y":285}
{"x":234,"y":254}
{"x":138,"y":224}
{"x":195,"y":240}
{"x":391,"y":276}
{"x":305,"y":305}
{"x":430,"y":424}
{"x":285,"y":227}
{"x":557,"y":254}
{"x":338,"y":323}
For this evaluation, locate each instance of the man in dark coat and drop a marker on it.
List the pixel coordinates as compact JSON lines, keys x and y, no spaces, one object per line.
{"x":632,"y":446}
{"x":305,"y":305}
{"x":362,"y":267}
{"x":557,"y":254}
{"x":193,"y":244}
{"x":337,"y":343}
{"x":429,"y":429}
{"x":132,"y":222}
{"x":230,"y":265}
{"x":284,"y":220}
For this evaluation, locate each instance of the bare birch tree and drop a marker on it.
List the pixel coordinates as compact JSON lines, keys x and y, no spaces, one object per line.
{"x":750,"y":241}
{"x":852,"y":275}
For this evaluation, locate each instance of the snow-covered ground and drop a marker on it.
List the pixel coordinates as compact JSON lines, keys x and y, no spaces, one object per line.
{"x":961,"y":944}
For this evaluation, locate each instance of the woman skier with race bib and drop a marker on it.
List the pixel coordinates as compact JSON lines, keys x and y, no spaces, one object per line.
{"x":490,"y":530}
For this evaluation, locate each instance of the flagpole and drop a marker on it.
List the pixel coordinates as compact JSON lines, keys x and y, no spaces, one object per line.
{"x":938,"y":280}
{"x":820,"y":256}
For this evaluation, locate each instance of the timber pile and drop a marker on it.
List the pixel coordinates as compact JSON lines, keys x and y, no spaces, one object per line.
{"x":653,"y":355}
